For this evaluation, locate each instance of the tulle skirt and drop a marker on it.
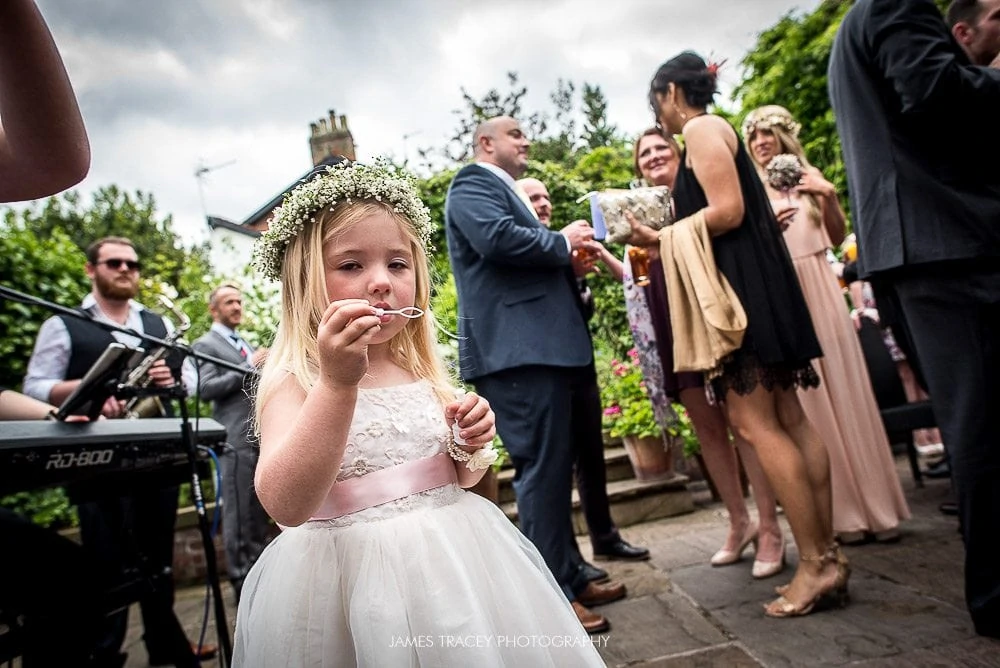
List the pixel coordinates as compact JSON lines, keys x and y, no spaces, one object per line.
{"x":445,"y":580}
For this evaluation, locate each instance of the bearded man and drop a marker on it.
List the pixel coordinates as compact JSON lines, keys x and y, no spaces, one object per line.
{"x":135,"y":531}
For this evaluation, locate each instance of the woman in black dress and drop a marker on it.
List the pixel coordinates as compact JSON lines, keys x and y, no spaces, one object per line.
{"x":759,"y":380}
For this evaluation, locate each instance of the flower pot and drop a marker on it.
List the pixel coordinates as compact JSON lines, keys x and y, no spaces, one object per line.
{"x":651,"y":460}
{"x":488,"y":487}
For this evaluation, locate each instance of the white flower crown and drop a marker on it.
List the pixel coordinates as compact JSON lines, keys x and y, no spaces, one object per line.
{"x":344,"y":182}
{"x":786,"y":123}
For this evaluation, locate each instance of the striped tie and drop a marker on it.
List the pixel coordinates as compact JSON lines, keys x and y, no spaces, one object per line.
{"x":239,"y":345}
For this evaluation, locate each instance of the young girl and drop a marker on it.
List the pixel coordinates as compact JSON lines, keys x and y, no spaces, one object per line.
{"x":385,"y":560}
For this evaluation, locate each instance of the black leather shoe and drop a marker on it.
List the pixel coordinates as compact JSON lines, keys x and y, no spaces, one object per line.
{"x":593,"y":573}
{"x":949,"y":508}
{"x":939,"y":470}
{"x":619,"y":549}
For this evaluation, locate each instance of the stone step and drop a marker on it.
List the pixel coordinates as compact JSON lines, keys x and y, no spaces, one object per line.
{"x":615,"y":461}
{"x":632,"y":502}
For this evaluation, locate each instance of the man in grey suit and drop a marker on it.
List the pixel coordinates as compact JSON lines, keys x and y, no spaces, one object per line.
{"x":918,"y":124}
{"x":245,"y":524}
{"x":524,"y":342}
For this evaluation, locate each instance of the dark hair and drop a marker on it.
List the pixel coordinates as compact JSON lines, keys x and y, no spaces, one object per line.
{"x":691,"y":73}
{"x":966,"y":11}
{"x":94,"y":249}
{"x":674,"y":146}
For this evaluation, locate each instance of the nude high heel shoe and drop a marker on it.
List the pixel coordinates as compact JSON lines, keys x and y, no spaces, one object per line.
{"x":725,"y":557}
{"x":766,"y":569}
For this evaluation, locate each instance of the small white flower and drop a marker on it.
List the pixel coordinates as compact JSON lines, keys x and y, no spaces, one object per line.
{"x":482,"y":458}
{"x":343,"y":182}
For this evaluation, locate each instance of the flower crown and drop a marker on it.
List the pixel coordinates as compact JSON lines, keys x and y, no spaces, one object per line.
{"x":344,"y":182}
{"x":754,"y":122}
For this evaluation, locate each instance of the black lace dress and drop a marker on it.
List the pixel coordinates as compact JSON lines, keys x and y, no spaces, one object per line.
{"x":780,"y":341}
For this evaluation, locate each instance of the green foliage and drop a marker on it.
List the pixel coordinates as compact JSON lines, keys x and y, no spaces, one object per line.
{"x":788,"y":67}
{"x":45,"y":507}
{"x":597,"y":131}
{"x":42,"y":254}
{"x":433,"y":191}
{"x":606,"y":166}
{"x":684,"y":430}
{"x":47,"y":266}
{"x":627,"y":408}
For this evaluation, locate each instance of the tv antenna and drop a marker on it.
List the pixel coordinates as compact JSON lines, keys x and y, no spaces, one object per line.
{"x":201,"y":172}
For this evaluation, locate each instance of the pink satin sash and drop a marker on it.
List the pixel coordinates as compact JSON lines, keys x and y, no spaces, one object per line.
{"x":385,"y":485}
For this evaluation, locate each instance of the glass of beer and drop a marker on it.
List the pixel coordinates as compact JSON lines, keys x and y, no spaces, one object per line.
{"x":638,"y":259}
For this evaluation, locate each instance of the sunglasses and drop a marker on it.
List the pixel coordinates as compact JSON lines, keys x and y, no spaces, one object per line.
{"x":116,"y":264}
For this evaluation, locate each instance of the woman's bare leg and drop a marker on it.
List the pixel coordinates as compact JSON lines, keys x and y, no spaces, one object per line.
{"x":810,"y":443}
{"x":761,"y":417}
{"x":771,"y":543}
{"x":712,"y":431}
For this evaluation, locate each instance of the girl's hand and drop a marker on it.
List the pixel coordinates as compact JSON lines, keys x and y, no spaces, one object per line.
{"x":813,"y":183}
{"x":346,"y":329}
{"x":476,"y":420}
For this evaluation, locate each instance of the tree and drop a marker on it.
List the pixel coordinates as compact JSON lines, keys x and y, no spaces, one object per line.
{"x":596,"y":130}
{"x":43,"y":255}
{"x":787,"y":66}
{"x":493,"y":103}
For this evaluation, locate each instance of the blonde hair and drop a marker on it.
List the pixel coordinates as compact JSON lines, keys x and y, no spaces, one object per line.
{"x":304,"y":299}
{"x":778,"y":121}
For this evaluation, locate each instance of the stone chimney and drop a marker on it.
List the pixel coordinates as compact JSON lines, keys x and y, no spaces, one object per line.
{"x":330,"y":136}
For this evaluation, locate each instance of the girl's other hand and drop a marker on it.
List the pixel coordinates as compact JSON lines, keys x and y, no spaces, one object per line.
{"x":476,"y":420}
{"x":345,"y":331}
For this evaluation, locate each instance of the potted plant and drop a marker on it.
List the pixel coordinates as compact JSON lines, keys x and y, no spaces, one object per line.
{"x":628,"y":413}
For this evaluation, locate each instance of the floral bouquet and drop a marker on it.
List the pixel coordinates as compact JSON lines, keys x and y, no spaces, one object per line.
{"x":784,"y":172}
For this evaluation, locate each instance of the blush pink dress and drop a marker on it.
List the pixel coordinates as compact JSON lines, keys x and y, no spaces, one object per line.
{"x":867,"y":496}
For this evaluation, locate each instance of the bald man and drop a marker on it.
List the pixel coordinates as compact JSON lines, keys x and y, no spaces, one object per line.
{"x":524,"y":343}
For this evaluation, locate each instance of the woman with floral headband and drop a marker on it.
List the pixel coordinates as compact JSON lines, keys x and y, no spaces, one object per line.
{"x":867,"y":497}
{"x":385,"y":560}
{"x":717,"y":190}
{"x":655,"y":159}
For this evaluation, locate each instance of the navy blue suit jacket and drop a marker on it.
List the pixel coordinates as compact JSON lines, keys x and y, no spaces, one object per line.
{"x":517,"y":296}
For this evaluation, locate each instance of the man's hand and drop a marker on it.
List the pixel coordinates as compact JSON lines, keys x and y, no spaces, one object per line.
{"x":579,"y":232}
{"x":160,"y":374}
{"x":113,"y":408}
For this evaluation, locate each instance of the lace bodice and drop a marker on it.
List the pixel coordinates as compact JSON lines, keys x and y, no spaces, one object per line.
{"x":393,"y":425}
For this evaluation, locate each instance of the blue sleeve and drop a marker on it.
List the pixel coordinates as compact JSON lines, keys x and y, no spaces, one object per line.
{"x":478,"y":209}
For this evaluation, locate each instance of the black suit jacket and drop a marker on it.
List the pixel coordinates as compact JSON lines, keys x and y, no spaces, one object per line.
{"x":920,"y":130}
{"x":518,"y":301}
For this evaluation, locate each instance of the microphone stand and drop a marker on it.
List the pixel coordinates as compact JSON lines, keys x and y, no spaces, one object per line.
{"x":188,"y":438}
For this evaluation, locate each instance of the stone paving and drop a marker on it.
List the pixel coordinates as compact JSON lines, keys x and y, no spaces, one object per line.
{"x":907,"y":604}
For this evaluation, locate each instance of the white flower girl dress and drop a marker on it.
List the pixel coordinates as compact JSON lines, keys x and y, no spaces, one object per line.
{"x":436,"y":578}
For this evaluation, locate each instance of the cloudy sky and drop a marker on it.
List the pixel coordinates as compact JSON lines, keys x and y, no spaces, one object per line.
{"x":169,"y":86}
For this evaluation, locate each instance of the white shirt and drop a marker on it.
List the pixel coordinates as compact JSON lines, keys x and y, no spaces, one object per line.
{"x":50,"y":359}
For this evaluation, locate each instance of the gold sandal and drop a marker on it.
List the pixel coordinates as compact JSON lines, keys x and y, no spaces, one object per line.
{"x":781,"y":607}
